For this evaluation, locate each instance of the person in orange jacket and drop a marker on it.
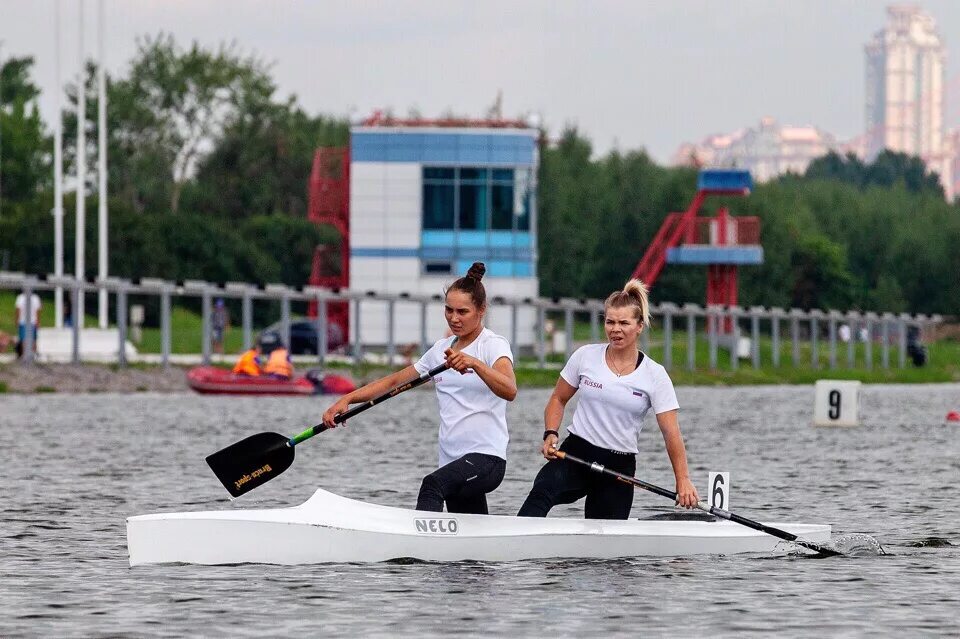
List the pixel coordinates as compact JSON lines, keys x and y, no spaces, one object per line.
{"x":249,"y":363}
{"x":278,"y":357}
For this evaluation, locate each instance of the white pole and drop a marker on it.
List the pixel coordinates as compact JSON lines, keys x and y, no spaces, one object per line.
{"x":57,"y":170}
{"x":102,"y":166}
{"x":81,"y":172}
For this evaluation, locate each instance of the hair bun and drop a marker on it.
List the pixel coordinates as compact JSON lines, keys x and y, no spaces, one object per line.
{"x":477,"y":271}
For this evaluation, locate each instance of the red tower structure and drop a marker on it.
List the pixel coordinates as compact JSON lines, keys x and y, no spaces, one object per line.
{"x":720,"y":243}
{"x":329,"y":203}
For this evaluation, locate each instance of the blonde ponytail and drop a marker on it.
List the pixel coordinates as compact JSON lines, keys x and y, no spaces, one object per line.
{"x":634,"y":294}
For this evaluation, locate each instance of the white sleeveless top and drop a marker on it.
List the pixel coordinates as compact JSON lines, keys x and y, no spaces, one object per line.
{"x":472,"y":418}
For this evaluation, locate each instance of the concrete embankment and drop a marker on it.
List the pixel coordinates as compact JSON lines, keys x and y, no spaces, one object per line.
{"x":90,"y":378}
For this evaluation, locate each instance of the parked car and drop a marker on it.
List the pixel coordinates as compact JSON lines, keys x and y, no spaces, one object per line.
{"x":303,"y":335}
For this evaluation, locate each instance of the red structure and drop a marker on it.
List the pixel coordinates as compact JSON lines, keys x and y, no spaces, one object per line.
{"x":329,"y":203}
{"x":720,"y":243}
{"x":380,"y":119}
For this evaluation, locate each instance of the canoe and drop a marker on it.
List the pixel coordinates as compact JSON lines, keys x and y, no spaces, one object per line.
{"x":328,"y":528}
{"x":220,"y":381}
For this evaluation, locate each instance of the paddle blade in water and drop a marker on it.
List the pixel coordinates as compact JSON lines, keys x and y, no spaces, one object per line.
{"x":251,"y":462}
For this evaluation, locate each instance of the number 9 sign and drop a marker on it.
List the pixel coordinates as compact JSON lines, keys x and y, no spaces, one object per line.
{"x":836,"y":403}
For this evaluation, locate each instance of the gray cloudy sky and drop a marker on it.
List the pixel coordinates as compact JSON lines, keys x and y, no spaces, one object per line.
{"x":631,"y":73}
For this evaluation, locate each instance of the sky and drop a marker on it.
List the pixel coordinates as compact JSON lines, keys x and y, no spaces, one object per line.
{"x":630,"y":74}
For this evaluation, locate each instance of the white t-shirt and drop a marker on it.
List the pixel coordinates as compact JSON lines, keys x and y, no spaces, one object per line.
{"x":21,"y":302}
{"x":610,"y":409}
{"x":472,"y":418}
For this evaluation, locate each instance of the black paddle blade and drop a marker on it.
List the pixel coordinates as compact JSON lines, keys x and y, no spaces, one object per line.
{"x":251,"y":462}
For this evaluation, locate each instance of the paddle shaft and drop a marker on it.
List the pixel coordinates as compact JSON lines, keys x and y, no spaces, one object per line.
{"x":702,"y":505}
{"x":359,"y":408}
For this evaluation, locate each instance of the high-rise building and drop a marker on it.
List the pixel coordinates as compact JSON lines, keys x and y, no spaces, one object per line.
{"x":767,"y":150}
{"x":905,"y":91}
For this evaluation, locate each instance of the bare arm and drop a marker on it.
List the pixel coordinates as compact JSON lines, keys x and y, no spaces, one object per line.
{"x":499,"y":378}
{"x":670,"y":428}
{"x":553,"y":415}
{"x":371,"y":391}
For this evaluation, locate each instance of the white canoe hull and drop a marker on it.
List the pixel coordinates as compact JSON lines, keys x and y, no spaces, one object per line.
{"x":329,"y":528}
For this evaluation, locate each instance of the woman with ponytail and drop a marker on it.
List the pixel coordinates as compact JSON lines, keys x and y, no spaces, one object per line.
{"x":618,"y":386}
{"x":473,"y":398}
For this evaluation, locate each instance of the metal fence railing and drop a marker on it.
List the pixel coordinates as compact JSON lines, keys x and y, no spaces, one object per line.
{"x":689,"y":335}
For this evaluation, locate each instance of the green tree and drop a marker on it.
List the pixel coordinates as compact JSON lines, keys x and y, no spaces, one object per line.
{"x":165,"y":115}
{"x":820,"y":277}
{"x":569,"y":215}
{"x":24,"y":163}
{"x":262,"y":163}
{"x":887,"y":169}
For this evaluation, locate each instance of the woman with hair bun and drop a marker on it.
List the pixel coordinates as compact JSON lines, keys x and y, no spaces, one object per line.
{"x":618,"y":386}
{"x":473,"y":398}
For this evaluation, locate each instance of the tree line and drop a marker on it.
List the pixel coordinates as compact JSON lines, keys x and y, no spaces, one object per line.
{"x":208,"y":173}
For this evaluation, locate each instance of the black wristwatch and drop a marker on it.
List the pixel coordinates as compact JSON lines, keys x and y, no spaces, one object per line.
{"x":549,"y":432}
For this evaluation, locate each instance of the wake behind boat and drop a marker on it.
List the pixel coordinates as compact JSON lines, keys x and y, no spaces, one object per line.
{"x":329,"y":528}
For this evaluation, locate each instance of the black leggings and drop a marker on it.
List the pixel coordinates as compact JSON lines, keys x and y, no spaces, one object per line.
{"x":563,"y":482}
{"x":463,"y":484}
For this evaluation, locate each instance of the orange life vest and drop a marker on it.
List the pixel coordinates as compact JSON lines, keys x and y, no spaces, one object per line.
{"x":279,"y":364}
{"x":248,"y":364}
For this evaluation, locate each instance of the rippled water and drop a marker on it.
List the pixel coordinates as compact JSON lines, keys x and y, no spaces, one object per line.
{"x":75,"y":466}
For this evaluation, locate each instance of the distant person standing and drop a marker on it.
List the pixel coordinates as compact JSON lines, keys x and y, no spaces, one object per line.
{"x":67,"y":312}
{"x":219,"y":322}
{"x":20,"y":305}
{"x":844,"y":333}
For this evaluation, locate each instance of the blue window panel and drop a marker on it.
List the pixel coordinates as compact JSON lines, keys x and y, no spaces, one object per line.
{"x":724,"y":180}
{"x":438,"y":205}
{"x":509,"y":149}
{"x":375,"y":251}
{"x":523,"y":253}
{"x":499,"y":268}
{"x":501,"y":238}
{"x":448,"y":148}
{"x":434,"y":173}
{"x":368,"y":147}
{"x":473,"y":154}
{"x":472,"y":238}
{"x":522,"y":239}
{"x":439,"y":148}
{"x":473,"y":253}
{"x":438,"y":252}
{"x":715,"y":255}
{"x":501,"y":253}
{"x":474,"y":211}
{"x":437,"y":238}
{"x":462,"y":266}
{"x":523,"y":269}
{"x":405,"y":148}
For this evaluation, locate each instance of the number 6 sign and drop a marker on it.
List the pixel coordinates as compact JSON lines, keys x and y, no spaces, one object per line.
{"x":718,"y":493}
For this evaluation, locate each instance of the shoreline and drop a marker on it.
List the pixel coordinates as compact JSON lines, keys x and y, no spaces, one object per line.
{"x":38,"y":378}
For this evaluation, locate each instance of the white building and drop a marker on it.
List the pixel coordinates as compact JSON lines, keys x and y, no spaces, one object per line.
{"x":905,"y":91}
{"x":768,"y":150}
{"x":428,"y":201}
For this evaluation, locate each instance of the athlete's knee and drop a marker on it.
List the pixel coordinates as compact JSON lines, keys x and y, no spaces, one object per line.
{"x":538,"y":503}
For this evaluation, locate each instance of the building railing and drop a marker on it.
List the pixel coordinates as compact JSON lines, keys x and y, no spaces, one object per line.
{"x":803,"y":330}
{"x":732,"y":231}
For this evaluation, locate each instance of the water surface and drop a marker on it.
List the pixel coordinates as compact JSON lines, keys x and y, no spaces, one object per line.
{"x":74,"y":466}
